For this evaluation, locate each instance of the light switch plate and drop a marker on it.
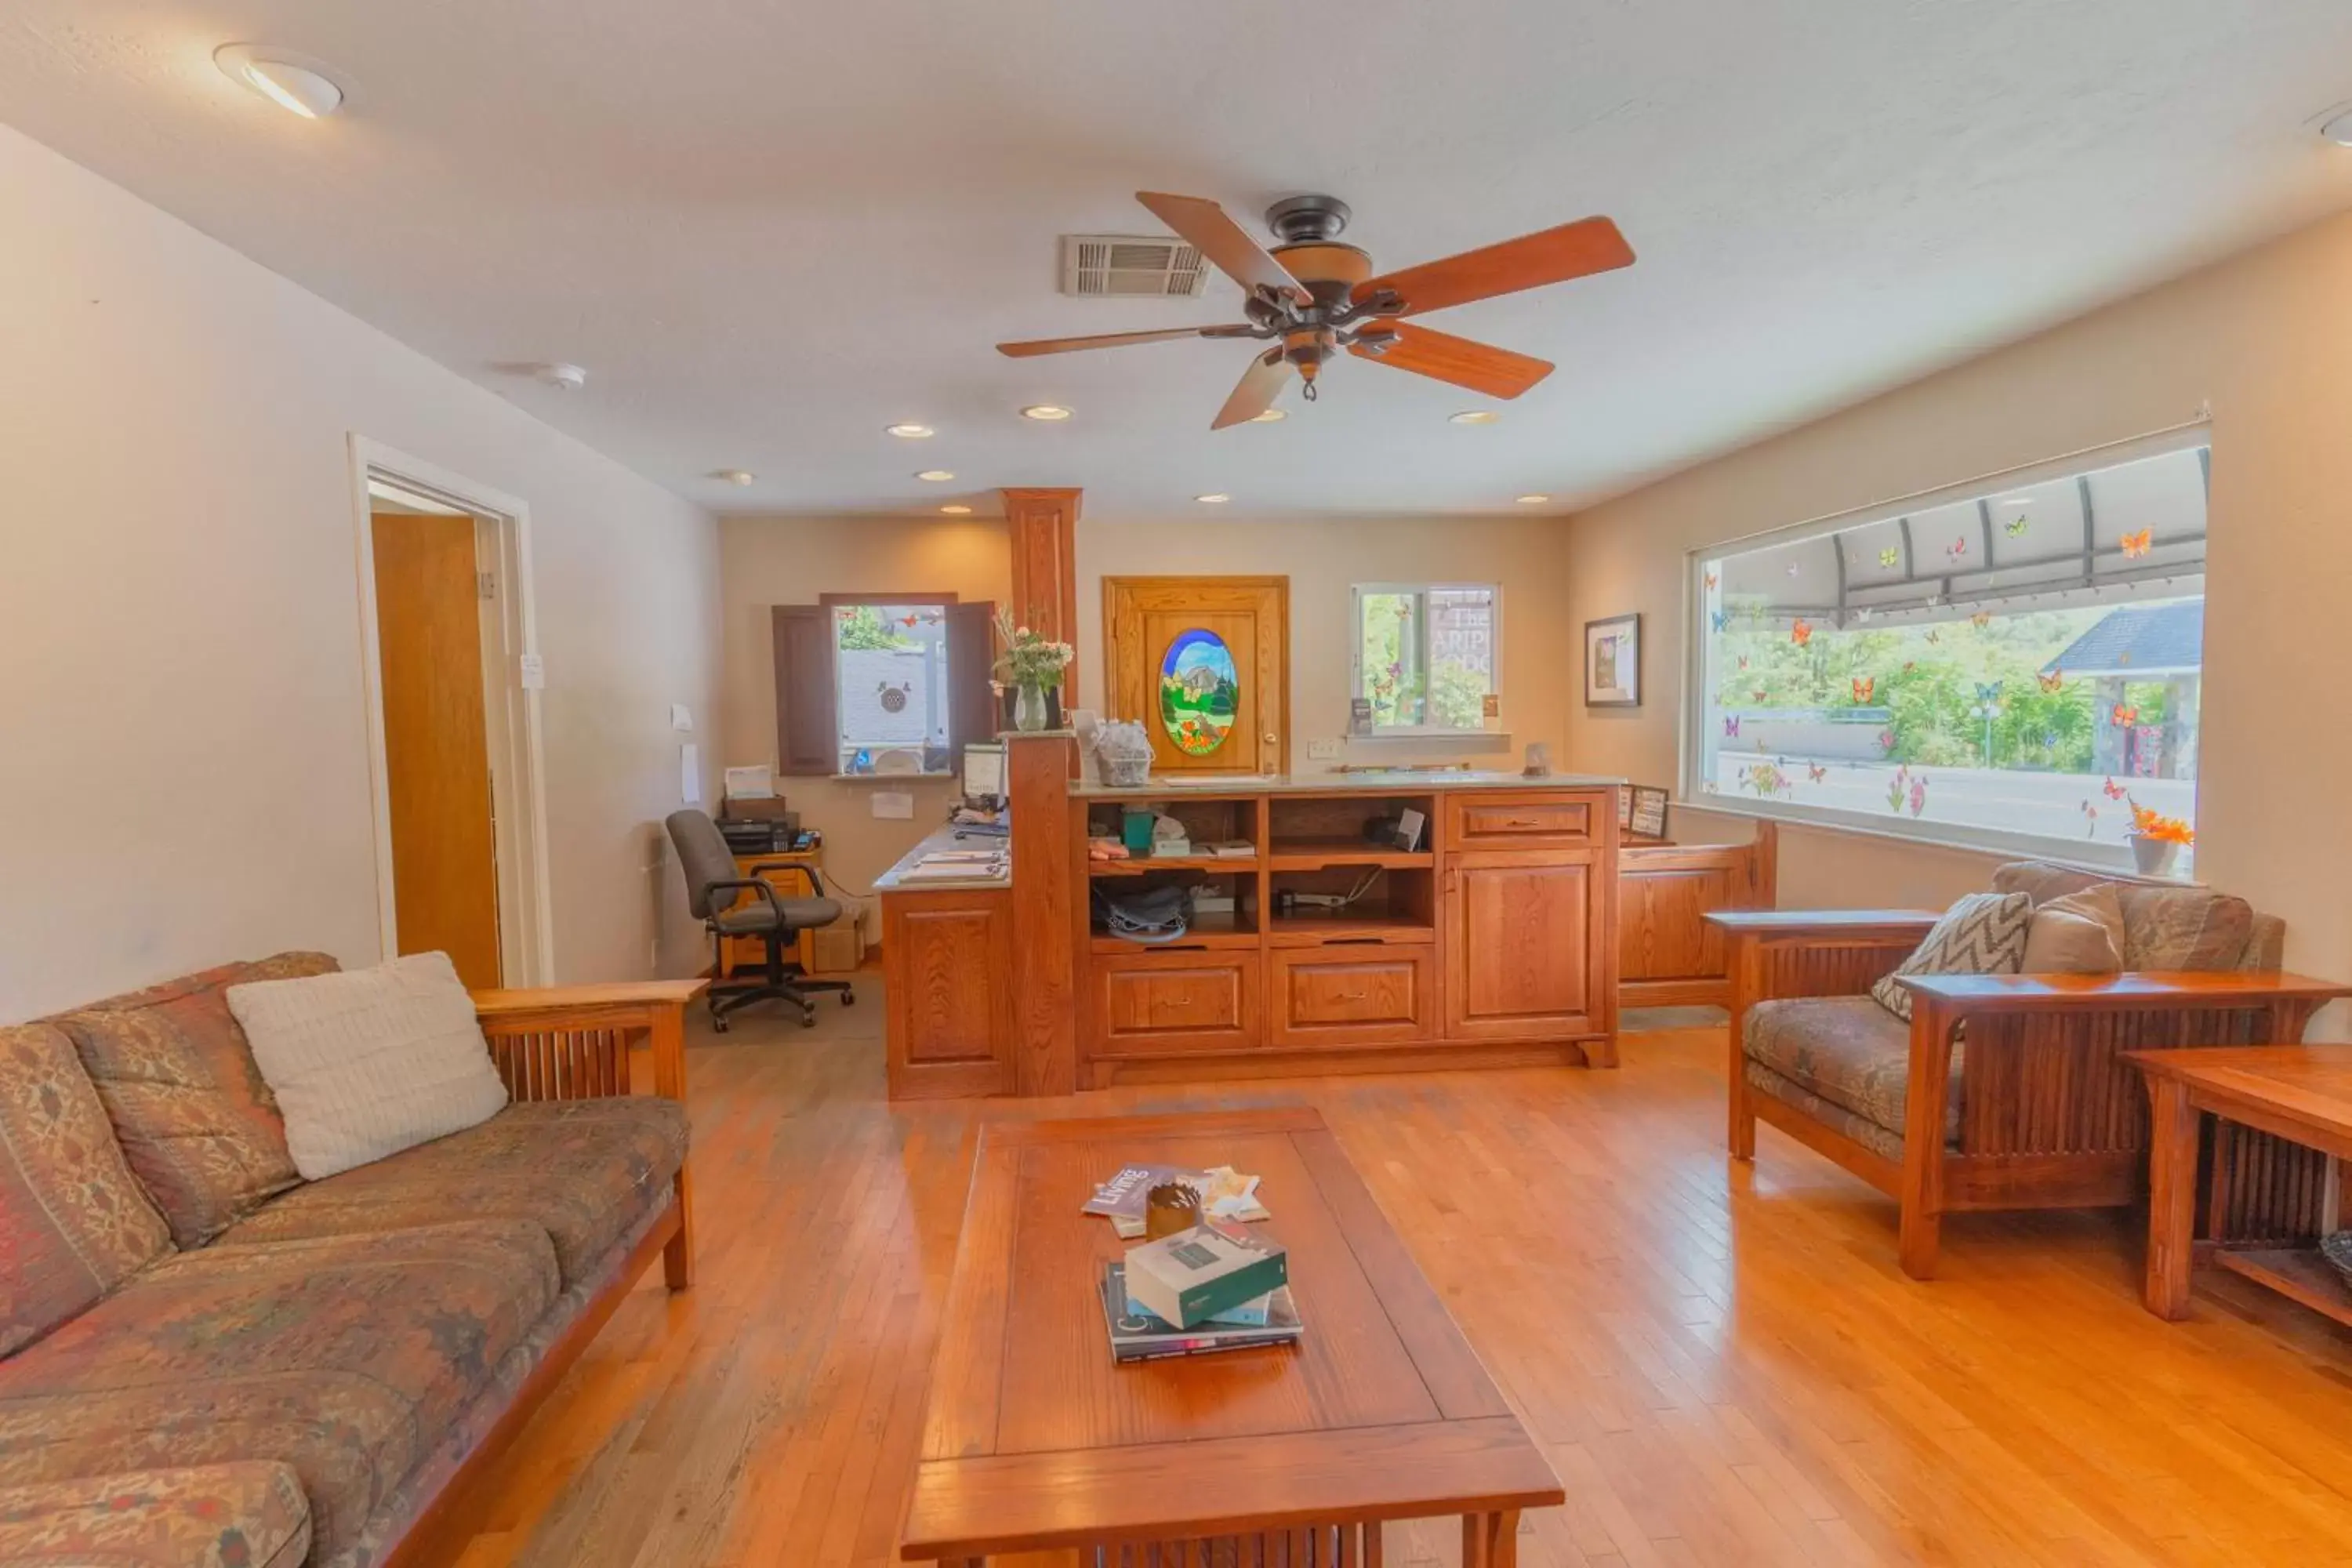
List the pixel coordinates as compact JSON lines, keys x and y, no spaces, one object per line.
{"x":894,"y":803}
{"x":1322,"y":751}
{"x":681,"y":718}
{"x":530,"y":673}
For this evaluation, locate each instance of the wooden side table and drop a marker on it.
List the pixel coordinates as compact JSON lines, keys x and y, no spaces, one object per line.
{"x":2302,"y":1094}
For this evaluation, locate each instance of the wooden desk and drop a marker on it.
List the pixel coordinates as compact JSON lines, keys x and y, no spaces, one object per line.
{"x":1037,"y":1441}
{"x":2302,"y":1094}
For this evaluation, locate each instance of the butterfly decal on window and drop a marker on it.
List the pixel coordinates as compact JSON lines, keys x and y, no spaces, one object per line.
{"x":1919,"y":795}
{"x":2054,"y":681}
{"x":1711,"y":581}
{"x":2114,"y":790}
{"x":1863,"y":686}
{"x":1957,"y":550}
{"x":1758,"y":694}
{"x":1935,"y":634}
{"x":1981,"y":619}
{"x":1909,"y":665}
{"x":1731,"y":726}
{"x":1886,"y":740}
{"x":2136,"y":544}
{"x":2124,"y":715}
{"x":1801,"y":633}
{"x":1890,"y":557}
{"x":1796,"y":570}
{"x":1815,"y":772}
{"x":1989,"y":690}
{"x":1743,"y":661}
{"x":2091,"y":819}
{"x":1721,"y":618}
{"x":2019,"y":524}
{"x":2049,"y":740}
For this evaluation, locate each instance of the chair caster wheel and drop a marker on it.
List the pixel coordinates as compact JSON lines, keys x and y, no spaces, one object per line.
{"x":848,"y":998}
{"x":808,"y":1020}
{"x":717,"y":1026}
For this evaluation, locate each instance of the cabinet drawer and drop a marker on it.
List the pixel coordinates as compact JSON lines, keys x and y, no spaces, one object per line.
{"x":1170,"y":1002}
{"x":1527,"y":819}
{"x":1375,"y":994}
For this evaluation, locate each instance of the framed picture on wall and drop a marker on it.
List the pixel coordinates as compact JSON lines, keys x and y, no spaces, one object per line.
{"x":1612,"y":662}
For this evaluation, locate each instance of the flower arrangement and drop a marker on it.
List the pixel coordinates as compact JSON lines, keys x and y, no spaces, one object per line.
{"x":1030,"y":660}
{"x":2154,"y":825}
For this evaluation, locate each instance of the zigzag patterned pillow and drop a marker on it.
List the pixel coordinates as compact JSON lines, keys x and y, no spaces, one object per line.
{"x":1984,"y":933}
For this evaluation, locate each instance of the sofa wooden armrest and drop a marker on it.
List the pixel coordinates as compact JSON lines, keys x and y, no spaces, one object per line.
{"x":1869,"y":927}
{"x":572,"y":1042}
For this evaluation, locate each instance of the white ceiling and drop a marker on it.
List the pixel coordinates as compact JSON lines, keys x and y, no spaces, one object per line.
{"x":768,"y":229}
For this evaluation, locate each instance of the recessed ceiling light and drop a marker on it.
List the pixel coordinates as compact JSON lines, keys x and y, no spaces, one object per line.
{"x":1269,"y":417}
{"x":936,"y":475}
{"x":1533,"y":500}
{"x":2339,"y":129}
{"x":1048,"y":412}
{"x":1219,"y":499}
{"x":736,"y":476}
{"x":561,"y":376}
{"x":1474,"y":417}
{"x":909,"y":432}
{"x":294,"y":83}
{"x":957,"y":511}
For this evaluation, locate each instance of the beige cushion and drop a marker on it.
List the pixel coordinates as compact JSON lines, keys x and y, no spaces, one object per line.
{"x":368,"y":1063}
{"x":2082,"y":933}
{"x":2166,"y":925}
{"x":1984,"y":933}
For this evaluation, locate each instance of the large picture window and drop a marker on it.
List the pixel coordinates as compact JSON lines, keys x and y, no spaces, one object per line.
{"x":2020,"y":664}
{"x":1427,"y":655}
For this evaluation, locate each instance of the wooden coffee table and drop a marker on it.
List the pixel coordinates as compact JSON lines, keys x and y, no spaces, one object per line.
{"x":1037,"y":1441}
{"x":2300,"y":1093}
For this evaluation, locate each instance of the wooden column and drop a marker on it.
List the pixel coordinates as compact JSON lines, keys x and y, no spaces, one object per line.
{"x":1047,"y":878}
{"x":1044,"y":527}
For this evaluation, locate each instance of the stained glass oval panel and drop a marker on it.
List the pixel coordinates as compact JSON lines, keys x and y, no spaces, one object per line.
{"x":1199,"y":687}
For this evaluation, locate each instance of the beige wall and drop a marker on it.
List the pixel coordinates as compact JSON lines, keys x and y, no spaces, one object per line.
{"x":772,"y":560}
{"x":185,"y":774}
{"x":2264,"y":339}
{"x":767,"y":562}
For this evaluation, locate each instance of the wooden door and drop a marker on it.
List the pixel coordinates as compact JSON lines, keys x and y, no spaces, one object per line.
{"x":1526,"y":945}
{"x":445,"y":871}
{"x":1183,"y":631}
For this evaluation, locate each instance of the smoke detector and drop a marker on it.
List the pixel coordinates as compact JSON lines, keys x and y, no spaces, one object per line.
{"x":1154,"y":267}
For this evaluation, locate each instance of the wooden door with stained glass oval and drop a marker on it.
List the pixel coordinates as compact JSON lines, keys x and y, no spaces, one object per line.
{"x":1204,"y":664}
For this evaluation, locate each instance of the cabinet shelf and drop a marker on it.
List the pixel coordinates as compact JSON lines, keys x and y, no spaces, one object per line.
{"x":1218,"y":931}
{"x":1321,"y":854}
{"x":1312,"y":931}
{"x":1144,"y":865}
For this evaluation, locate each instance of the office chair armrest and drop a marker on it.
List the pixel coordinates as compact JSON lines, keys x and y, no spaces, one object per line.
{"x":738,"y":884}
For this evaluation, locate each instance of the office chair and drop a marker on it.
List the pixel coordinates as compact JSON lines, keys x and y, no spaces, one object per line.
{"x":709,"y":867}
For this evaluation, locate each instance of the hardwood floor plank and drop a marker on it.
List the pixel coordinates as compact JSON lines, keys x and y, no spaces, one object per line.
{"x":1723,"y":1361}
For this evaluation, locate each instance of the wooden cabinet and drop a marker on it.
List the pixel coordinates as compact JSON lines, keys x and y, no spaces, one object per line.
{"x":1356,"y":993}
{"x":1170,"y":1002}
{"x":1527,"y":819}
{"x":1530,"y":948}
{"x":948,"y":1010}
{"x":1669,"y":954}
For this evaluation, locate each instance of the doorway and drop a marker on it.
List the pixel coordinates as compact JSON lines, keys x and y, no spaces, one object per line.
{"x":1204,"y":664}
{"x":451,"y":686}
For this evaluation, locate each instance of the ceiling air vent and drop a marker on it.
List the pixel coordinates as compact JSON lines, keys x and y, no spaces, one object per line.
{"x":1132,"y":265}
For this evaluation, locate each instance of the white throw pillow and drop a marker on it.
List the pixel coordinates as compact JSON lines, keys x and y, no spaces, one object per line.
{"x":370,"y":1062}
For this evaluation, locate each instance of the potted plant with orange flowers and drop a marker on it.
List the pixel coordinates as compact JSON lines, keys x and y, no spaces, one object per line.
{"x":2157,"y":839}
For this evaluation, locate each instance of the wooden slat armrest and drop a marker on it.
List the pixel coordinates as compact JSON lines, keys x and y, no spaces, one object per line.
{"x":545,"y":1039}
{"x":1864,"y":927}
{"x":2143,"y":990}
{"x":639,"y":998}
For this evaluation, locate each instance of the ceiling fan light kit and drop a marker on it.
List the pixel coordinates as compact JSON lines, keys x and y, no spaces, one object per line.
{"x":1312,"y":297}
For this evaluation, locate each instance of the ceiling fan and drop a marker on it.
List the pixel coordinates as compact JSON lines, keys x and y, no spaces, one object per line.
{"x":1312,"y":296}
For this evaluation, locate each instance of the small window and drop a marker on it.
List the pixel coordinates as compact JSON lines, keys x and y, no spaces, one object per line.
{"x":893,"y":699}
{"x":1428,"y":657}
{"x":2020,"y":667}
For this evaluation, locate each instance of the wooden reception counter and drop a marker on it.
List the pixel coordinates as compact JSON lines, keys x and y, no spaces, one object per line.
{"x":1492,"y":941}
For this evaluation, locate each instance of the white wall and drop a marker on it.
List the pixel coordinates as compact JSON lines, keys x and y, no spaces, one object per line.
{"x":2263,"y":340}
{"x":184,"y":773}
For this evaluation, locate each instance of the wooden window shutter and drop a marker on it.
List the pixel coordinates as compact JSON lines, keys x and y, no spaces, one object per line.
{"x":972,"y":654}
{"x":808,"y":737}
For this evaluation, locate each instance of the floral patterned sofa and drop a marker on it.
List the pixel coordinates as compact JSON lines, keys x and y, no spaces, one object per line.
{"x":205,"y":1359}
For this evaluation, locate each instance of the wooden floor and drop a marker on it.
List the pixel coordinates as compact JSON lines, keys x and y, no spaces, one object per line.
{"x":1724,"y":1364}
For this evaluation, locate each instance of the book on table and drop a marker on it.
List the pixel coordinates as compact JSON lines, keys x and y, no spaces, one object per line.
{"x":1196,"y":1274}
{"x":1137,"y":1334}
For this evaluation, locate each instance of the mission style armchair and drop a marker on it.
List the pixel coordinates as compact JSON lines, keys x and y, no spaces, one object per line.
{"x":2029,"y":1108}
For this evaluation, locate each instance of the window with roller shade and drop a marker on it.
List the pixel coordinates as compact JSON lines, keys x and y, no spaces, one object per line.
{"x":877,"y":684}
{"x":2018,"y":666}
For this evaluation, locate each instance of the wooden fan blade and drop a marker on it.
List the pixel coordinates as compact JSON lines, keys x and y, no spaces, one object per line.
{"x":1203,"y":224}
{"x":1497,"y":373}
{"x":1255,"y":393}
{"x":1100,"y":341}
{"x":1572,"y":250}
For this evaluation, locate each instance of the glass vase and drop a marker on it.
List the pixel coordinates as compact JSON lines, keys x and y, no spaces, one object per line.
{"x":1029,"y":709}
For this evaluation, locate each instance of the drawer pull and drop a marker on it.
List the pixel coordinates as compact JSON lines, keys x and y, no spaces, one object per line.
{"x":1351,"y":995}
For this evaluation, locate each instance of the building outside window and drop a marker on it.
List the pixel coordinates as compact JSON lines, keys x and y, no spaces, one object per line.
{"x":890,"y":663}
{"x":1427,"y":655}
{"x":2018,"y":667}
